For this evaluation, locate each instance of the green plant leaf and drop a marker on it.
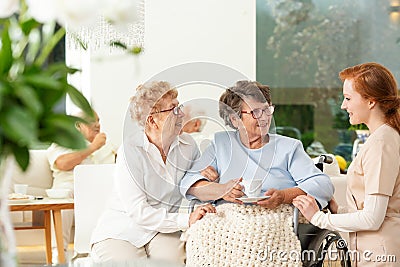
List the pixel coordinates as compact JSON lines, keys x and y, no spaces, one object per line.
{"x":6,"y":58}
{"x":4,"y":89}
{"x":29,"y":98}
{"x":49,"y":98}
{"x":360,"y":126}
{"x":2,"y":151}
{"x":80,"y":101}
{"x":136,"y":50}
{"x":75,"y":36}
{"x":119,"y":44}
{"x":59,"y":69}
{"x":65,"y":138}
{"x":21,"y":155}
{"x":72,"y":70}
{"x":19,"y":125}
{"x":28,"y":25}
{"x":49,"y":46}
{"x":41,"y":80}
{"x":60,"y":128}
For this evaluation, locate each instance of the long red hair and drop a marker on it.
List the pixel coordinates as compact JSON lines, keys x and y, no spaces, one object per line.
{"x":375,"y":82}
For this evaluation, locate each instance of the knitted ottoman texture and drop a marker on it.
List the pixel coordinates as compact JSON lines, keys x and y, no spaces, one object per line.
{"x":244,"y":235}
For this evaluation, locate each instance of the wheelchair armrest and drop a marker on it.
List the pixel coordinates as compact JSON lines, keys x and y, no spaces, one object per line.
{"x":296,"y":220}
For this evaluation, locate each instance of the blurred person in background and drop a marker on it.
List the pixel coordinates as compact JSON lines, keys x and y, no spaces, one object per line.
{"x":63,"y":161}
{"x":193,"y":124}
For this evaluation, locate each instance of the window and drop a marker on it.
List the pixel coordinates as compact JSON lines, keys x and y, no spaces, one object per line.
{"x":302,"y":46}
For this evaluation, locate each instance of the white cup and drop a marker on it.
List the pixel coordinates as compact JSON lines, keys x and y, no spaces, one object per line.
{"x":20,"y":188}
{"x":252,"y":188}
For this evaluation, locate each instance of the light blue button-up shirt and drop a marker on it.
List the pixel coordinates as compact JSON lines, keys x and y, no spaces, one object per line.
{"x":281,"y":163}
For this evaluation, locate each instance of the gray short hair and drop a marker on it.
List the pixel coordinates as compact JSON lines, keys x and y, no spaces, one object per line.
{"x":147,"y":98}
{"x":231,"y":100}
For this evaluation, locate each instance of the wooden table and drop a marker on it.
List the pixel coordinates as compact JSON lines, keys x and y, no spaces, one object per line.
{"x":48,"y":206}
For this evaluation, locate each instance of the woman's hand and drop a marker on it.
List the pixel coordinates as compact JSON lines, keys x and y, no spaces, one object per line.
{"x":276,"y":199}
{"x":210,"y":173}
{"x":307,"y":205}
{"x":199,"y":213}
{"x":333,"y":205}
{"x":232,"y":190}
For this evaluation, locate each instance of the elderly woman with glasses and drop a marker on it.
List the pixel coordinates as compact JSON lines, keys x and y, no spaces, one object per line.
{"x":142,"y":219}
{"x":250,"y":152}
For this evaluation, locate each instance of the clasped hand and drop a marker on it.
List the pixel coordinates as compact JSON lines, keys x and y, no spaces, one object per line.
{"x":200,"y":212}
{"x":233,"y":190}
{"x":276,"y":199}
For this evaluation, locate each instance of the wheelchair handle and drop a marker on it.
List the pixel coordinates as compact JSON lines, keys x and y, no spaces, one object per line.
{"x":325,"y":159}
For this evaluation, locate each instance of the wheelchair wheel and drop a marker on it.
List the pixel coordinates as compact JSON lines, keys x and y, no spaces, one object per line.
{"x":329,"y":250}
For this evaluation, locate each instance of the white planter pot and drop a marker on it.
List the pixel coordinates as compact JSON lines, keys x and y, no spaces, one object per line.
{"x":8,"y":250}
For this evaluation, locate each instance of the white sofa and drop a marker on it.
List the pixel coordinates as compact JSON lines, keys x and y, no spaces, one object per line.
{"x":38,"y":176}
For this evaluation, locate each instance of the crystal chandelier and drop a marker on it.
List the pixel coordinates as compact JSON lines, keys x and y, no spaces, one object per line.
{"x":102,"y":34}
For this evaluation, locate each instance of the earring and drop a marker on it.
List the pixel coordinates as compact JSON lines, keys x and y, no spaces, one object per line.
{"x":371,"y":104}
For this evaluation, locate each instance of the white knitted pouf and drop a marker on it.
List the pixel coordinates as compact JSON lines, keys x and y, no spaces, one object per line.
{"x":244,"y":235}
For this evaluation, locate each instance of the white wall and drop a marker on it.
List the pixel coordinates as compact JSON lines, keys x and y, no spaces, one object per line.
{"x":176,"y":32}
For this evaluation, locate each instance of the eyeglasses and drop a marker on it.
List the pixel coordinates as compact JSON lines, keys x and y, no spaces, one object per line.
{"x":258,"y":112}
{"x":175,"y":110}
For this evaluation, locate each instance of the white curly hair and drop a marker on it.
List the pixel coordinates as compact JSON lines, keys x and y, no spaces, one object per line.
{"x":147,"y":99}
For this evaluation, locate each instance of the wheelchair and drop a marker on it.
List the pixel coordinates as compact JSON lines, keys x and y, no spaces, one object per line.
{"x":320,"y":247}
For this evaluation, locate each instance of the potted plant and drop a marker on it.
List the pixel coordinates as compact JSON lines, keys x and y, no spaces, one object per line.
{"x":31,"y":87}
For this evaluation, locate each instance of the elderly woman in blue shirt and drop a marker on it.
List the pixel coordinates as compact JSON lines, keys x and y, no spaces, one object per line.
{"x":251,"y":152}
